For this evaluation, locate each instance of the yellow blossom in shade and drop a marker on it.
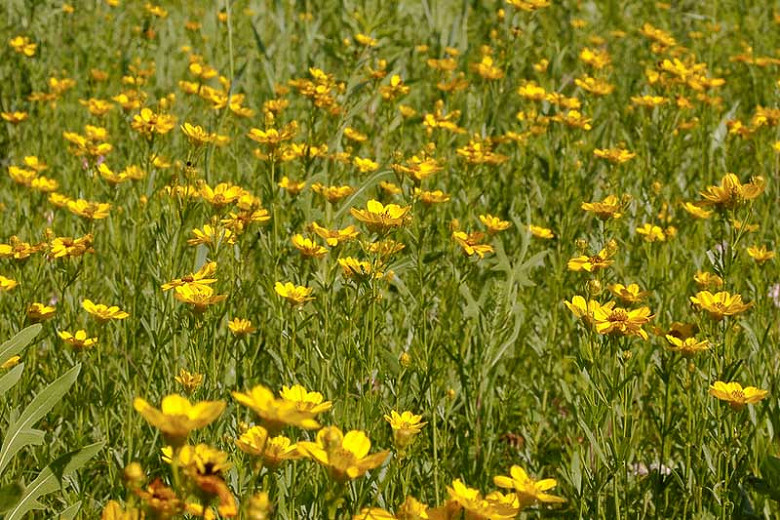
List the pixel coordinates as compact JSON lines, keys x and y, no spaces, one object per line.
{"x":630,"y":293}
{"x":201,"y":277}
{"x":78,"y":341}
{"x":358,"y":269}
{"x":188,"y":380}
{"x":160,"y":499}
{"x":590,"y":264}
{"x":276,"y":413}
{"x":11,"y":362}
{"x":147,"y":122}
{"x":623,"y":322}
{"x":687,"y":347}
{"x":474,"y":505}
{"x":471,"y":243}
{"x":308,"y":247}
{"x":295,"y":294}
{"x":196,"y":134}
{"x":332,"y":193}
{"x":739,"y":226}
{"x":696,"y":211}
{"x":346,"y":456}
{"x":114,"y":511}
{"x":15,"y":117}
{"x":6,"y":284}
{"x":383,"y":248}
{"x":598,"y":58}
{"x":365,"y":165}
{"x":651,"y":233}
{"x":530,"y":90}
{"x":379,"y":217}
{"x":486,"y":69}
{"x":595,"y":86}
{"x":585,"y":310}
{"x":760,"y":254}
{"x":614,"y":155}
{"x":431,"y":197}
{"x":732,"y":193}
{"x":88,"y":210}
{"x":649,"y":101}
{"x":390,"y":188}
{"x":336,"y":236}
{"x":199,"y":296}
{"x":23,"y":45}
{"x":608,"y":208}
{"x":211,"y":235}
{"x":494,"y":224}
{"x":405,"y":427}
{"x":412,"y":509}
{"x":706,"y":279}
{"x":720,"y":304}
{"x":241,"y":327}
{"x":541,"y":232}
{"x":273,"y":450}
{"x":38,"y":312}
{"x":528,"y":490}
{"x":103,"y":313}
{"x":290,"y":186}
{"x":373,"y":513}
{"x":177,"y":417}
{"x":304,"y":400}
{"x":69,"y":247}
{"x":736,"y":396}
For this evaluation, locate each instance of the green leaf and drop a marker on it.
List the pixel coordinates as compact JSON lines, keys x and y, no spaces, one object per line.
{"x":10,"y":496}
{"x":71,"y":512}
{"x":20,"y":432}
{"x":50,"y":480}
{"x":10,"y":378}
{"x":15,"y":345}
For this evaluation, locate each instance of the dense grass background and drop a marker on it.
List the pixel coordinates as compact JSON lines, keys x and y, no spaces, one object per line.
{"x":498,"y":367}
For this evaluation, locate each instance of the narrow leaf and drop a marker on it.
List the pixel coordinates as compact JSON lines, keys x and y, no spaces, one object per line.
{"x":10,"y":378}
{"x":15,"y":345}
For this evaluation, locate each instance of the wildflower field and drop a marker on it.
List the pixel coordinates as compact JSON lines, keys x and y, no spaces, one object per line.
{"x":374,"y":259}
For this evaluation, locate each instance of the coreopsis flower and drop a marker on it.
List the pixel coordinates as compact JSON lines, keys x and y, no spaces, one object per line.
{"x":541,"y":232}
{"x":296,"y":295}
{"x":381,"y":218}
{"x":608,"y":208}
{"x":149,"y":123}
{"x":431,"y":197}
{"x":241,"y":327}
{"x":494,"y":224}
{"x":471,"y":243}
{"x":358,"y":269}
{"x":595,"y":86}
{"x":705,"y":279}
{"x":202,"y":277}
{"x":308,"y":247}
{"x":196,"y":134}
{"x":720,"y":305}
{"x":630,"y":293}
{"x":419,"y":167}
{"x":273,"y":137}
{"x":38,"y":312}
{"x":732,"y":193}
{"x":528,"y":490}
{"x":651,"y":233}
{"x":760,"y":254}
{"x":69,"y":247}
{"x":277,"y":413}
{"x":373,"y":513}
{"x":649,"y":101}
{"x":383,"y":248}
{"x":623,"y":322}
{"x":222,"y":194}
{"x":97,"y":107}
{"x":19,"y":250}
{"x":304,"y":400}
{"x":78,"y":341}
{"x":354,"y":135}
{"x":412,"y":509}
{"x":332,"y":193}
{"x":390,"y":188}
{"x":335,"y":236}
{"x":89,"y":210}
{"x":290,"y":186}
{"x":177,"y":417}
{"x":696,"y":211}
{"x":346,"y":456}
{"x":15,"y":117}
{"x":211,"y":235}
{"x":23,"y":45}
{"x":486,"y":69}
{"x":687,"y":347}
{"x":365,"y":165}
{"x":395,"y":89}
{"x":529,"y":5}
{"x":585,"y":310}
{"x":199,"y":296}
{"x":103,"y":313}
{"x":614,"y":155}
{"x":736,"y":396}
{"x":740,"y":226}
{"x":591,"y":264}
{"x":160,"y":499}
{"x":531,"y":91}
{"x":110,"y":176}
{"x":273,"y":450}
{"x":405,"y":427}
{"x":114,"y":511}
{"x":469,"y":501}
{"x":188,"y":380}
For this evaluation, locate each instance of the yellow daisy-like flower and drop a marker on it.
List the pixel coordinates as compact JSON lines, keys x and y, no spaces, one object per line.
{"x":732,"y":193}
{"x":471,"y":243}
{"x":297,"y":295}
{"x":585,"y":310}
{"x":190,"y":381}
{"x":405,"y":427}
{"x":78,"y":341}
{"x":541,"y":232}
{"x":475,"y":506}
{"x":274,"y":450}
{"x":696,"y":211}
{"x":614,"y":155}
{"x":241,"y":327}
{"x":276,"y":413}
{"x":89,"y":210}
{"x":494,"y":224}
{"x":736,"y":396}
{"x":651,"y":233}
{"x":6,"y":284}
{"x":760,"y":254}
{"x":379,"y":217}
{"x":333,"y":194}
{"x":177,"y":417}
{"x":334,"y":237}
{"x":720,"y":304}
{"x":707,"y":279}
{"x":290,"y":186}
{"x":590,"y":264}
{"x":202,"y":277}
{"x":148,"y":123}
{"x":528,"y":490}
{"x":346,"y":456}
{"x":687,"y":347}
{"x":608,"y":208}
{"x":628,"y":294}
{"x":308,"y":247}
{"x":199,"y":296}
{"x":304,"y":400}
{"x":621,"y":321}
{"x":103,"y":313}
{"x":38,"y":312}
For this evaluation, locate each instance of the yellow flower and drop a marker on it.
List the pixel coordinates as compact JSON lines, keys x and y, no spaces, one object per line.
{"x":199,"y":296}
{"x":148,"y":123}
{"x":308,"y":247}
{"x":622,"y":321}
{"x":304,"y":400}
{"x":196,"y":134}
{"x":732,"y":193}
{"x":494,"y":224}
{"x":211,"y":235}
{"x":707,"y":279}
{"x":614,"y":155}
{"x":297,"y":295}
{"x":720,"y":304}
{"x":290,"y":186}
{"x":585,"y":310}
{"x":590,"y":264}
{"x":177,"y":417}
{"x":365,"y":165}
{"x":412,"y":509}
{"x":431,"y":197}
{"x":373,"y":513}
{"x":273,"y":450}
{"x":69,"y":247}
{"x":735,"y":395}
{"x":202,"y":277}
{"x":528,"y":491}
{"x":358,"y":269}
{"x":471,"y":243}
{"x":336,"y":236}
{"x":608,"y":208}
{"x":651,"y":233}
{"x":104,"y":313}
{"x":332,"y":193}
{"x":628,"y":294}
{"x":190,"y":381}
{"x":760,"y":254}
{"x":696,"y":211}
{"x":14,"y":117}
{"x":6,"y":284}
{"x":345,"y":456}
{"x":88,"y":210}
{"x":477,"y":507}
{"x":379,"y":217}
{"x":222,"y":194}
{"x":241,"y":327}
{"x":23,"y":45}
{"x":79,"y":340}
{"x":11,"y":362}
{"x":541,"y":232}
{"x":687,"y":347}
{"x":405,"y":427}
{"x":486,"y":69}
{"x":276,"y":413}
